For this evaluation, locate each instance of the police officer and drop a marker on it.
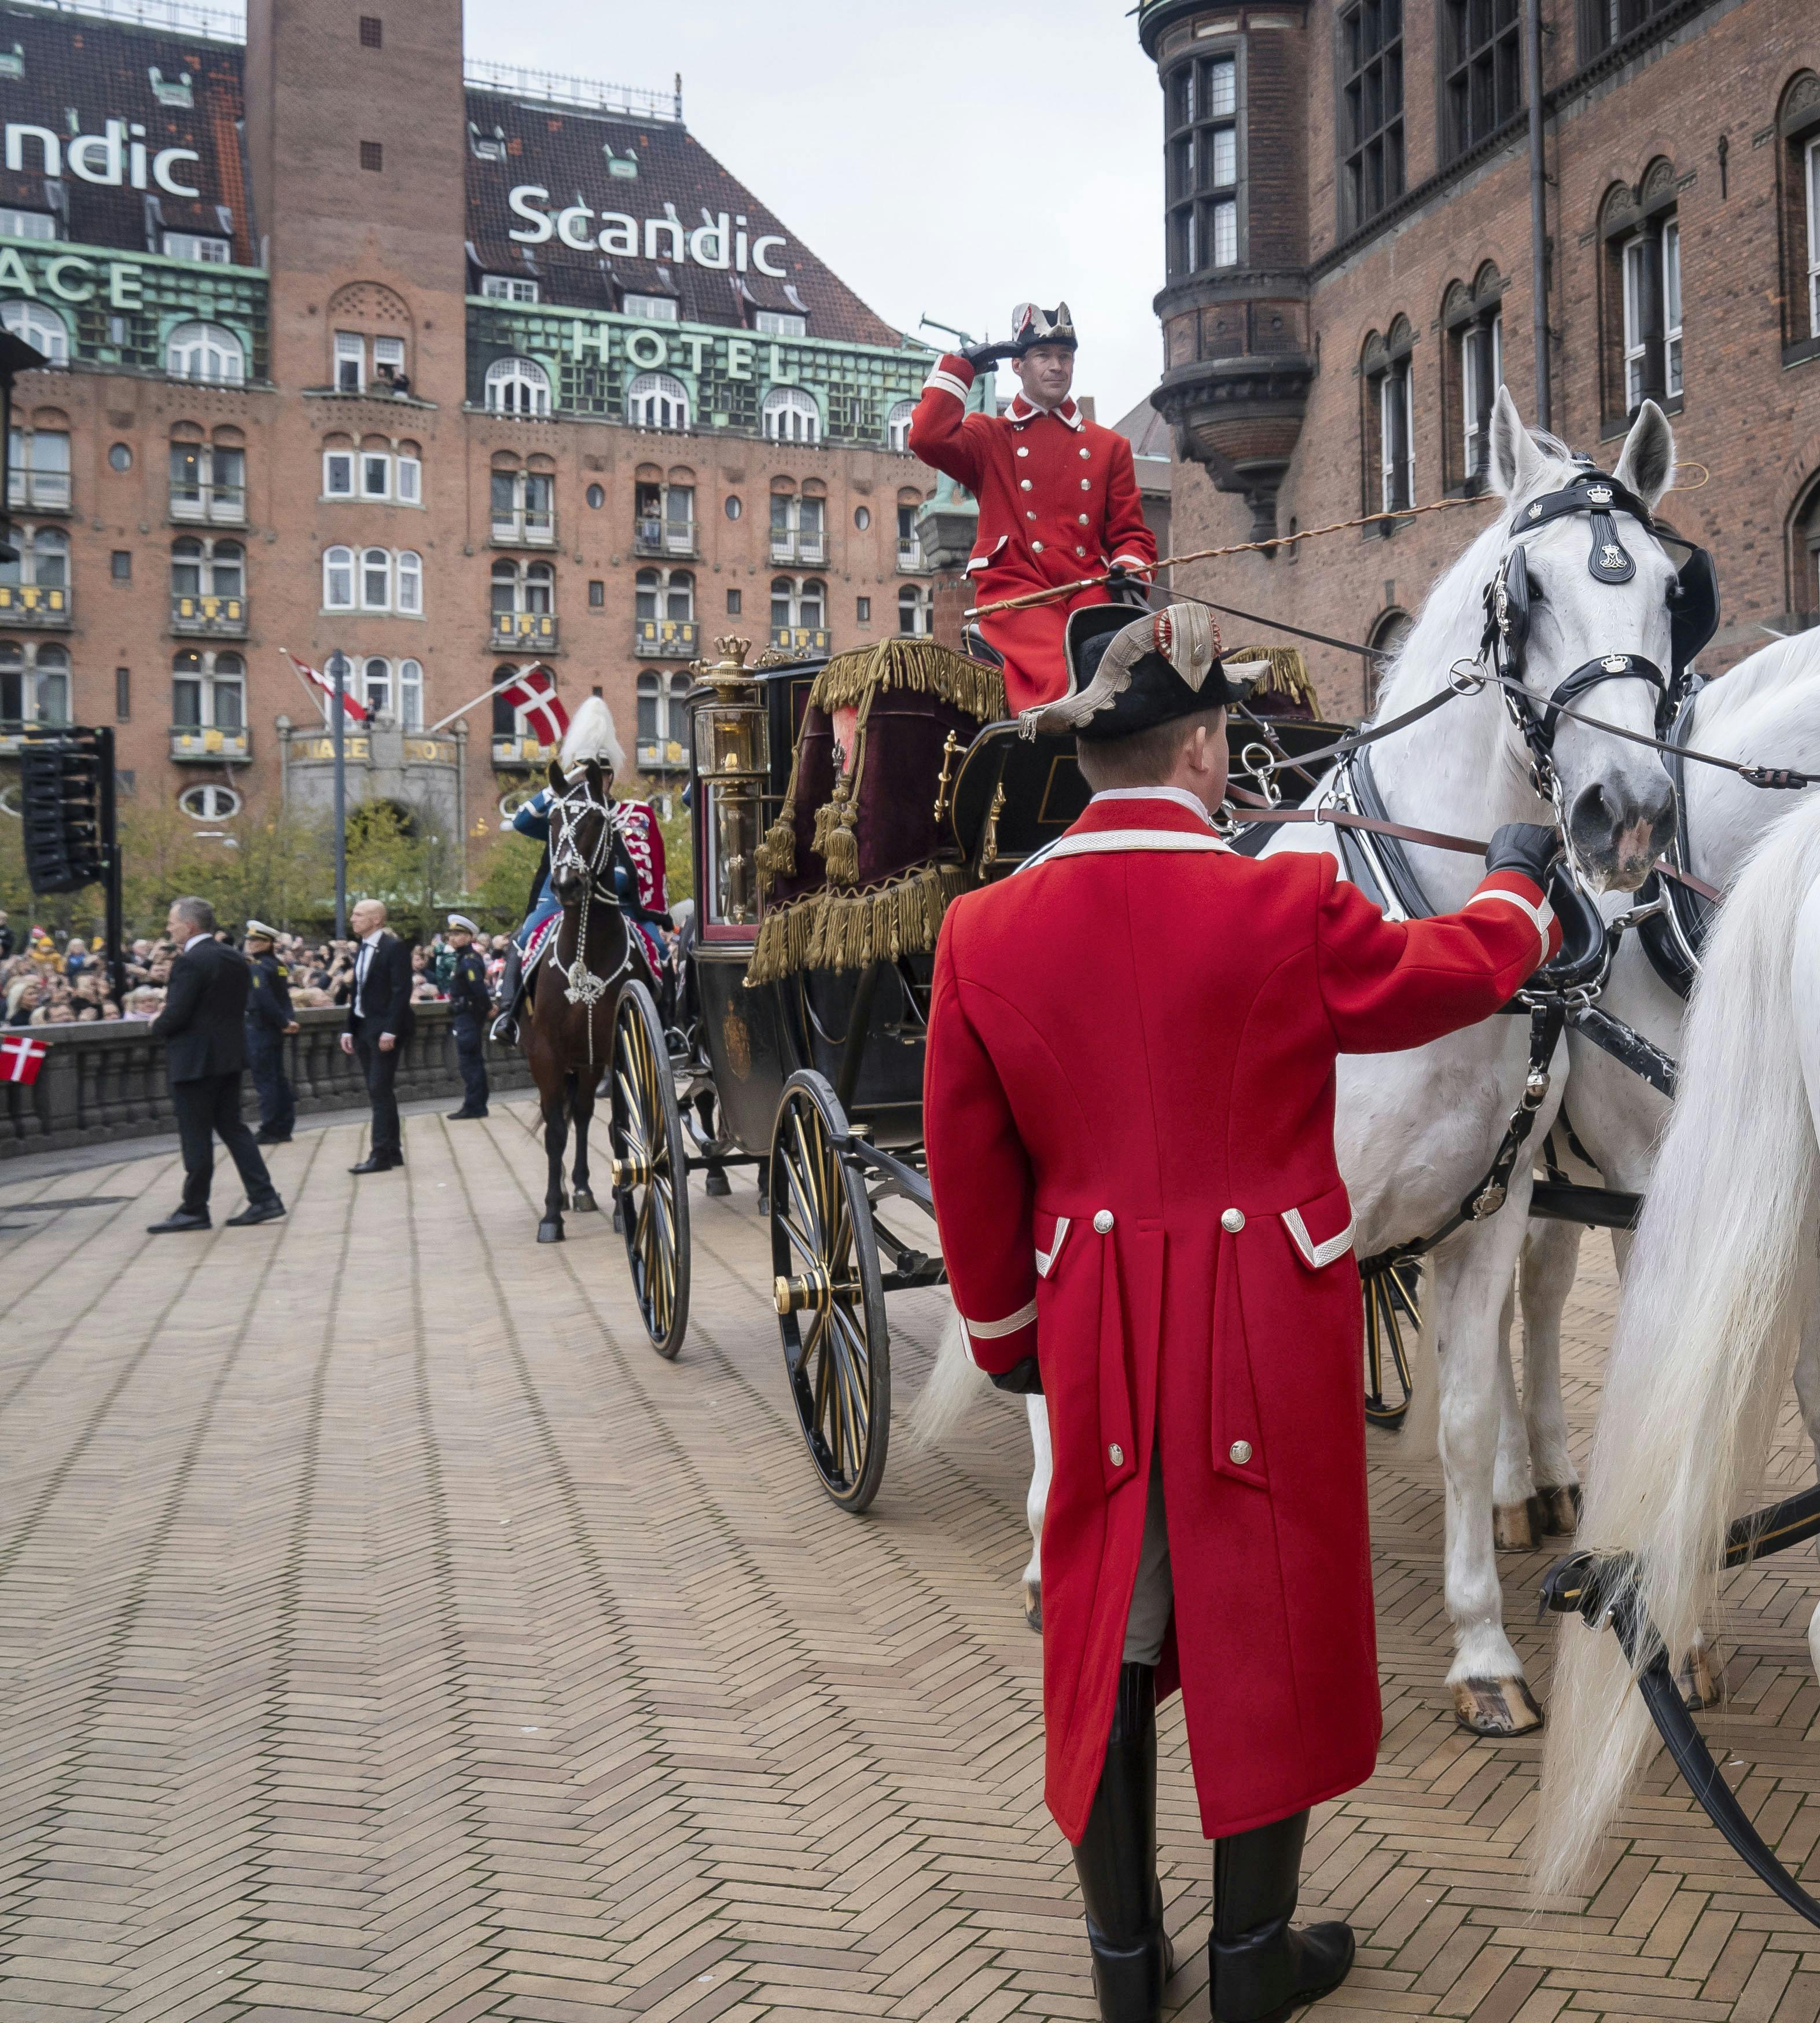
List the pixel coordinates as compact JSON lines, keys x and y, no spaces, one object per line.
{"x":269,"y":1021}
{"x":470,"y":1007}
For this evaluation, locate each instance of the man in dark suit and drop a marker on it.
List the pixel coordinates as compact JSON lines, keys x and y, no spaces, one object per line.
{"x":379,"y":1022}
{"x":203,"y":1025}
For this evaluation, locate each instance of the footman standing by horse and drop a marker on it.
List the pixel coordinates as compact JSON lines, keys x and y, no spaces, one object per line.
{"x":1058,"y":494}
{"x":1134,"y":1173}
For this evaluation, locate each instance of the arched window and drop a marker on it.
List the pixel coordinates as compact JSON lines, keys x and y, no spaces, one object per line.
{"x":650,"y":713}
{"x":206,"y":351}
{"x":646,"y":587}
{"x":1805,"y":557}
{"x":1389,"y":448}
{"x":376,"y":685}
{"x":517,"y":386}
{"x":38,"y":471}
{"x":206,"y":569}
{"x":42,"y":328}
{"x":897,"y":426}
{"x":208,"y":691}
{"x":540,"y":588}
{"x":790,"y":416}
{"x":812,"y":603}
{"x":1474,"y":369}
{"x":1798,"y":179}
{"x":1640,"y":287}
{"x":375,"y":579}
{"x":208,"y":480}
{"x":49,"y":558}
{"x":1389,"y":630}
{"x":410,"y":694}
{"x":337,"y":578}
{"x":410,"y":584}
{"x":782,"y":603}
{"x":34,"y":682}
{"x":914,"y":611}
{"x":657,"y":400}
{"x":679,"y":595}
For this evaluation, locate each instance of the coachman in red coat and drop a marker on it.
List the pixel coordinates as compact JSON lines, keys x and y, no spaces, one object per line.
{"x":1129,"y":1110}
{"x":1058,"y":494}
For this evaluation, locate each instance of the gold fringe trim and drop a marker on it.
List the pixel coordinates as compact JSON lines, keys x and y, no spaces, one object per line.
{"x":918,"y":665}
{"x":1288,"y":676}
{"x":840,"y":931}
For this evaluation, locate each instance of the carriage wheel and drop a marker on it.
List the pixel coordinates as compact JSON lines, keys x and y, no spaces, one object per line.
{"x":650,"y":1170}
{"x":831,"y":1305}
{"x":1392,"y":1300}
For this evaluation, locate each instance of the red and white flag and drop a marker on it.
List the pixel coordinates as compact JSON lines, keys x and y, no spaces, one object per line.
{"x":354,"y":709}
{"x":534,"y":692}
{"x":21,"y":1058}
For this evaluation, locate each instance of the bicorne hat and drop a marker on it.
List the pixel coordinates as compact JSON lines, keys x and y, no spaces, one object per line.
{"x":1031,"y":326}
{"x":1127,"y":675}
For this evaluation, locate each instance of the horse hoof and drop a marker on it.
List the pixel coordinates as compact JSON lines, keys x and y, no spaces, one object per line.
{"x":1700,"y":1682}
{"x":1512,"y":1528}
{"x":1561,"y":1508}
{"x":718,"y":1183}
{"x":1495,"y":1706}
{"x":550,"y":1231}
{"x":584,"y":1203}
{"x":1033,"y":1605}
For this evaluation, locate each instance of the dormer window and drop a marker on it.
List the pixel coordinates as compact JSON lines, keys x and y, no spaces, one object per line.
{"x":26,"y":223}
{"x":195,"y":245}
{"x":623,"y":165}
{"x":178,"y":91}
{"x":508,"y":288}
{"x":779,"y":323}
{"x":12,"y":61}
{"x":486,"y":146}
{"x":652,"y":308}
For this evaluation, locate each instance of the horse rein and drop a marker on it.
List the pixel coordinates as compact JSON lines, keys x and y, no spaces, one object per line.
{"x":583,"y":987}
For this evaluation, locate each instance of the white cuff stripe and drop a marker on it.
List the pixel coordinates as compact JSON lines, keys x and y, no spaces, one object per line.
{"x":1135,"y":561}
{"x":1543,"y":915}
{"x":947,"y":382}
{"x":991,"y":1330}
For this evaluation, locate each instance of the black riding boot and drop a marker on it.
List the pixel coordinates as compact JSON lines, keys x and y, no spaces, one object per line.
{"x":511,"y":985}
{"x":1259,"y":1970}
{"x":1117,"y":1862}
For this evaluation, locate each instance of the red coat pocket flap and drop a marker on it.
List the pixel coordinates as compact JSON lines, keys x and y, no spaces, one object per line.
{"x":1051,"y":1233}
{"x":1321,"y":1229}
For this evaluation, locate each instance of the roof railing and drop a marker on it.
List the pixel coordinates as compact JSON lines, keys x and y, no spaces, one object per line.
{"x":183,"y":17}
{"x":553,"y":88}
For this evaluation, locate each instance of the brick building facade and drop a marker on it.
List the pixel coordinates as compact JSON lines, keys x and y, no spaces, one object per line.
{"x":355,"y":353}
{"x":1348,"y":189}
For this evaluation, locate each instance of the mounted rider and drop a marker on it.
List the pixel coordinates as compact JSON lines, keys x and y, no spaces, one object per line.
{"x":639,"y":870}
{"x":1058,"y":494}
{"x":1141,"y":1218}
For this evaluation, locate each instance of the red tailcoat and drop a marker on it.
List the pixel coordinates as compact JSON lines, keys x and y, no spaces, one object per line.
{"x":1129,"y":1114}
{"x":1059,"y":501}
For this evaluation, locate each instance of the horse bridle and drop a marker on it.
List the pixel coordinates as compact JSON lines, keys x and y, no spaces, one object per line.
{"x":1693,"y":605}
{"x":583,"y":986}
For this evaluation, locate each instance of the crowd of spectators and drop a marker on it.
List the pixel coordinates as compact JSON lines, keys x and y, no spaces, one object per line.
{"x":46,"y":984}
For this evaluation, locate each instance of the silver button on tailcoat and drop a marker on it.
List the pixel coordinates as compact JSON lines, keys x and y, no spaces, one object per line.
{"x":1240,"y":1451}
{"x":1233,"y":1221}
{"x":1103,"y":1221}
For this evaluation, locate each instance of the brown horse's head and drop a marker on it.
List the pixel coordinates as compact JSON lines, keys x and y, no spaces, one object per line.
{"x":580,"y":830}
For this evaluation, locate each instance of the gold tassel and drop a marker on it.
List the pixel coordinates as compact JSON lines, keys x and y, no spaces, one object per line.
{"x":841,"y":852}
{"x":1288,"y":676}
{"x":841,"y":931}
{"x":775,"y":856}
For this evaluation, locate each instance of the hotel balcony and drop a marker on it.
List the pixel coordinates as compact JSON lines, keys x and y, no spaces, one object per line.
{"x":13,"y":733}
{"x":31,"y":604}
{"x":807,"y":551}
{"x":208,"y":617}
{"x":202,"y":744}
{"x":209,"y":505}
{"x":804,"y":639}
{"x":517,"y":632}
{"x":665,"y":639}
{"x":524,"y":530}
{"x":512,"y":754}
{"x":39,"y":492}
{"x":659,"y":538}
{"x":662,"y":755}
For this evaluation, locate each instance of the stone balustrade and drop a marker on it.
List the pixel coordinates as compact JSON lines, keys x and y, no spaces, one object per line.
{"x":103,"y":1082}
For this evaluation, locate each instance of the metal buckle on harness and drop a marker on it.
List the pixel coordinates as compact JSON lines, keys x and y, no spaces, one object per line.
{"x":1467,"y":675}
{"x":1260,"y":761}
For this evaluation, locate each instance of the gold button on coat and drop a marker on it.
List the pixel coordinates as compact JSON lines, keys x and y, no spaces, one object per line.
{"x":1233,"y":1221}
{"x":1103,"y":1221}
{"x":1240,"y":1451}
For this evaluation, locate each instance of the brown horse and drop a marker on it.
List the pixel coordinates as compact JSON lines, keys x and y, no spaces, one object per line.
{"x":569,"y":1034}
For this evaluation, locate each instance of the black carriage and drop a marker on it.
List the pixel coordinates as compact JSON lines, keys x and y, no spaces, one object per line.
{"x":838,"y":806}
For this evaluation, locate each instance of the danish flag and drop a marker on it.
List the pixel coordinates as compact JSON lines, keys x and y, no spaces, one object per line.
{"x":21,"y":1058}
{"x":533,"y":690}
{"x":356,"y":710}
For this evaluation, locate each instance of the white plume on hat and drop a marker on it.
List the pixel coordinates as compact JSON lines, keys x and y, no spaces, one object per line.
{"x":591,"y":735}
{"x":1184,"y":634}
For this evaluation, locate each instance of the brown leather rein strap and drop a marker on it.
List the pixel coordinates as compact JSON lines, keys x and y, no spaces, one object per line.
{"x":1463,"y":846}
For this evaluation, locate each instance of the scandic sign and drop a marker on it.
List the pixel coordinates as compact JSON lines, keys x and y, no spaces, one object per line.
{"x":115,"y":156}
{"x":720,"y":243}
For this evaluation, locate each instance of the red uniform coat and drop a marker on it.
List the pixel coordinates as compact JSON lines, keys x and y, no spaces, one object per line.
{"x":1059,"y":501}
{"x":1129,"y":1115}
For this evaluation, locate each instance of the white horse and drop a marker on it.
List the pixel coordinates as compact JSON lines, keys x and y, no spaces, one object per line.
{"x":1416,"y":1132}
{"x":1766,"y":709}
{"x":1725,"y":1270}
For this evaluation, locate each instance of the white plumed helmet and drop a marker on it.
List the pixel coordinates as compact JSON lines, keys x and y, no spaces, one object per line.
{"x":591,"y":735}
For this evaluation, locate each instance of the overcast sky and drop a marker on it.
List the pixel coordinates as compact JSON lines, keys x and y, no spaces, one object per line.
{"x":947,"y":160}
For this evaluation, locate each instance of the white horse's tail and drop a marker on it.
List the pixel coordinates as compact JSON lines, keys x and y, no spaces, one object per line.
{"x":1706,"y":1335}
{"x":955,"y":1386}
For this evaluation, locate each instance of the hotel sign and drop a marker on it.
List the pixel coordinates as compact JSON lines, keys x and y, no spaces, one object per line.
{"x":116,"y":158}
{"x":72,"y":277}
{"x":722,"y":244}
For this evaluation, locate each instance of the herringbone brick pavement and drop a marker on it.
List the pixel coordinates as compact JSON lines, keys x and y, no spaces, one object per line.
{"x":385,"y":1632}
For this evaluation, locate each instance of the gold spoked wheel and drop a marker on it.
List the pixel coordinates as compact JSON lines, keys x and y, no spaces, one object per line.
{"x":831,"y":1306}
{"x":650,"y":1171}
{"x":1393,"y":1301}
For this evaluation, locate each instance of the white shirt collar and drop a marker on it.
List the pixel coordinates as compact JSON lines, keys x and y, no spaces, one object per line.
{"x":1023,"y":409}
{"x":1179,"y":795}
{"x":193,"y":939}
{"x":372,"y":940}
